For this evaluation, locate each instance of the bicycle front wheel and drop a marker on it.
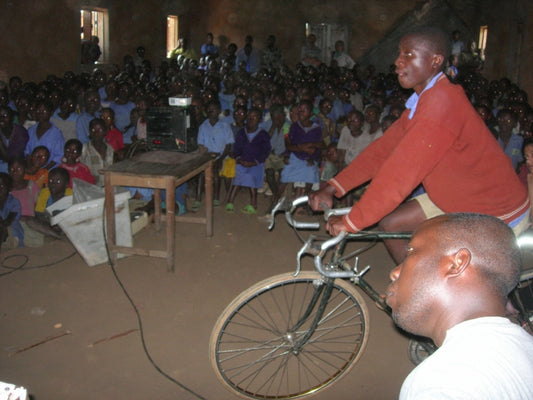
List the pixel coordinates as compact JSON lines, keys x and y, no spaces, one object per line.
{"x":256,"y":348}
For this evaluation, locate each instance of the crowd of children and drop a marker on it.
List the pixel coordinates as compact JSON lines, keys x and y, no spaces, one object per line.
{"x":275,"y":127}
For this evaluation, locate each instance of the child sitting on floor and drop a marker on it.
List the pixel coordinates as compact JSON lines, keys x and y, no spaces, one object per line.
{"x":35,"y":170}
{"x":71,"y":162}
{"x":251,"y":149}
{"x":10,"y":227}
{"x":114,"y":136}
{"x":142,"y":199}
{"x":97,"y":153}
{"x":26,"y":192}
{"x":58,"y":180}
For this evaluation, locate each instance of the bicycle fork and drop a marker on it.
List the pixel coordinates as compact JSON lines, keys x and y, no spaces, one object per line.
{"x":321,"y":288}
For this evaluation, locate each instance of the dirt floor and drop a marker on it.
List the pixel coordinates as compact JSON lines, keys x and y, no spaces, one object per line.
{"x":101,"y":356}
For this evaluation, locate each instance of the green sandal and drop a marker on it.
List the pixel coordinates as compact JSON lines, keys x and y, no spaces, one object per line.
{"x":249,"y":209}
{"x":229,"y":207}
{"x":196,"y":205}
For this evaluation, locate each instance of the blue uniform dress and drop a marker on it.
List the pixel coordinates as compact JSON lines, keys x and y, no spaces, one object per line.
{"x":303,"y":167}
{"x":122,"y":114}
{"x":82,"y":125}
{"x":251,"y":146}
{"x":513,"y":149}
{"x":52,"y":139}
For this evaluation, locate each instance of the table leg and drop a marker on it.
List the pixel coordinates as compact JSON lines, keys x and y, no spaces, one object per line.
{"x":209,"y":199}
{"x":171,"y":222}
{"x":110,"y":217}
{"x":157,"y":209}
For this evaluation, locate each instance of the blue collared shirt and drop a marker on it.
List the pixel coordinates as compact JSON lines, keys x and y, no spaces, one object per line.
{"x":412,"y":102}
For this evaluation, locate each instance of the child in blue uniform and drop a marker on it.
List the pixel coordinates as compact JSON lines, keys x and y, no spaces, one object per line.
{"x":216,"y":137}
{"x":251,"y":149}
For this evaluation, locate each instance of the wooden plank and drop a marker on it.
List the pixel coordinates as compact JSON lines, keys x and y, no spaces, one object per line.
{"x":192,"y":220}
{"x":119,"y":179}
{"x":140,"y":251}
{"x":147,"y":169}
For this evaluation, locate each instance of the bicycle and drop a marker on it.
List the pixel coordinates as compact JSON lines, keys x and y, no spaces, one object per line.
{"x":295,"y":334}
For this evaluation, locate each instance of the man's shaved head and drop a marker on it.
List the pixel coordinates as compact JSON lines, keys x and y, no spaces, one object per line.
{"x":493,"y":245}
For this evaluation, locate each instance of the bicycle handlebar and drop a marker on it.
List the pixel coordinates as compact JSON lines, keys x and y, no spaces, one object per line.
{"x":308,"y":247}
{"x":289,"y":208}
{"x":318,"y":253}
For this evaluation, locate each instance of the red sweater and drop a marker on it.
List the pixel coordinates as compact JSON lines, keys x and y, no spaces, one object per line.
{"x":80,"y":171}
{"x":115,"y":139}
{"x":448,"y":148}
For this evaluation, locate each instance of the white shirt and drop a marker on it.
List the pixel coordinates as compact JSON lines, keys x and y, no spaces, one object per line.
{"x":481,"y":359}
{"x":215,"y":137}
{"x":355,"y":145}
{"x":344,"y":60}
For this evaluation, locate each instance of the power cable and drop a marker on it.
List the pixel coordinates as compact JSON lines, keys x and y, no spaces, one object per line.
{"x":139,"y":320}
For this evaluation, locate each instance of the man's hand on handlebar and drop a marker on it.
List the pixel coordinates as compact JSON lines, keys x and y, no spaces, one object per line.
{"x":324,"y":195}
{"x":335,"y":225}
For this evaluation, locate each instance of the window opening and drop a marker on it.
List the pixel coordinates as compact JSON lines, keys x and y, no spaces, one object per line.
{"x":482,"y":44}
{"x":94,"y":24}
{"x":172,"y":33}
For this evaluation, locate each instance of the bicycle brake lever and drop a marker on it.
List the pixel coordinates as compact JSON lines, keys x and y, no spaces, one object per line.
{"x":301,"y":253}
{"x":282,"y":205}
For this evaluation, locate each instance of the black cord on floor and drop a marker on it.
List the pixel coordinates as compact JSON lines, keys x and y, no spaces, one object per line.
{"x":139,"y":321}
{"x":25,"y":261}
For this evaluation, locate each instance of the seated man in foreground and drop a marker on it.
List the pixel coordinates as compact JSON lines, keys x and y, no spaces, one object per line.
{"x":452,"y":287}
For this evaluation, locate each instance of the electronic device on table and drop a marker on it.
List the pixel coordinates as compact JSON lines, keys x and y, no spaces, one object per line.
{"x":172,"y":128}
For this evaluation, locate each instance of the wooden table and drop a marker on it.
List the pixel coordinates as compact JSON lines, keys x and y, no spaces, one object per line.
{"x":158,"y":170}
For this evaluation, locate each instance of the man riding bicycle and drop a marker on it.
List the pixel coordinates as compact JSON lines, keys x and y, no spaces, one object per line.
{"x":439,"y":141}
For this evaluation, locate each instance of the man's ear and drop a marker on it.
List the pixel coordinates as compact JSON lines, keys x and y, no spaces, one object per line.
{"x":459,"y":261}
{"x":438,"y":61}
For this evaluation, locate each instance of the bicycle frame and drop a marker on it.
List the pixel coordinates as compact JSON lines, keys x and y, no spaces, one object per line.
{"x":338,"y":268}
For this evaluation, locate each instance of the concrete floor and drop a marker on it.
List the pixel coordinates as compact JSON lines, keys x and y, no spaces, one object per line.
{"x":102,"y":357}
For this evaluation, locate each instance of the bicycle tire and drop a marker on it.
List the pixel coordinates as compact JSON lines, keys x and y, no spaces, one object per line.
{"x":251,"y":349}
{"x":419,"y":350}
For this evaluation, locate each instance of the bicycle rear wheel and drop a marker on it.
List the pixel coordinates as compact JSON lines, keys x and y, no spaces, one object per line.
{"x":253,"y":344}
{"x":420,"y":349}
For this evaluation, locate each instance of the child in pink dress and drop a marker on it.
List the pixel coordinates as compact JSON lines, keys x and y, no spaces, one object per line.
{"x":25,"y":190}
